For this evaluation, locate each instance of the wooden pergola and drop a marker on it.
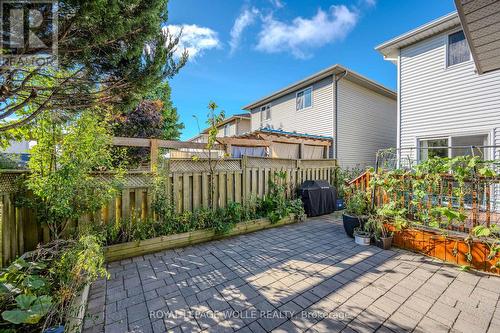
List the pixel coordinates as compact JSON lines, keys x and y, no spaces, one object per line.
{"x":266,"y":138}
{"x":260,"y":138}
{"x":155,"y":144}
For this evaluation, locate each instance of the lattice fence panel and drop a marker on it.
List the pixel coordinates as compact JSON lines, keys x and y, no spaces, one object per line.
{"x":186,"y":165}
{"x":272,"y":163}
{"x":9,"y":181}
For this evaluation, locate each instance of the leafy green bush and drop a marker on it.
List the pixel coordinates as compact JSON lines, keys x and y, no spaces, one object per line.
{"x":276,"y":205}
{"x":37,"y":289}
{"x":491,"y":237}
{"x":61,"y":166}
{"x":222,"y":220}
{"x":358,"y":204}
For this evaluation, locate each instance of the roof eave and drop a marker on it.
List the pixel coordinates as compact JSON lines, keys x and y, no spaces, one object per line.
{"x":333,"y":70}
{"x":388,"y":49}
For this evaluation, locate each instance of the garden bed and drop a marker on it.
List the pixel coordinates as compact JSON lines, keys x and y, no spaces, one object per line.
{"x":450,"y":247}
{"x":142,"y":247}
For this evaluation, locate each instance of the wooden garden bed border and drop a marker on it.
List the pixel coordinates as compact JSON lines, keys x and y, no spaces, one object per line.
{"x":435,"y":244}
{"x":78,"y":309}
{"x":142,"y":247}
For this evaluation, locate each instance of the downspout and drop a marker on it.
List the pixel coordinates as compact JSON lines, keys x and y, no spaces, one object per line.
{"x":335,"y":117}
{"x":397,"y":60}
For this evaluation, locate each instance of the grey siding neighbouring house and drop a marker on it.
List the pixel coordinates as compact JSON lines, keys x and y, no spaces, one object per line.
{"x":233,"y":126}
{"x":365,"y":111}
{"x":285,"y":116}
{"x":367,"y":123}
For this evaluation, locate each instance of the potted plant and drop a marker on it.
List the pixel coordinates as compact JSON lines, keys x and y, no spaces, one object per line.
{"x":356,"y":212}
{"x":342,"y":177}
{"x":362,"y":236}
{"x":382,"y":236}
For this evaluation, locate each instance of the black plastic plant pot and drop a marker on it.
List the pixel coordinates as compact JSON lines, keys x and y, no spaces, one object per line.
{"x":352,"y":222}
{"x":384,"y":243}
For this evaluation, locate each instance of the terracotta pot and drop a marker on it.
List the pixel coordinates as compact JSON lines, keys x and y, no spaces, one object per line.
{"x":384,"y":243}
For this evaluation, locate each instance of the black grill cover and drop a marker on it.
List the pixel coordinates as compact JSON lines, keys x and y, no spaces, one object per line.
{"x":318,"y":197}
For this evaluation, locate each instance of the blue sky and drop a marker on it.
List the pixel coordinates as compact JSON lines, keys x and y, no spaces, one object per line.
{"x":243,"y":50}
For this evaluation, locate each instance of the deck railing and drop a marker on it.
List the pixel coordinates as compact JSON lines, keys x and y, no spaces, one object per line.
{"x":479,"y":202}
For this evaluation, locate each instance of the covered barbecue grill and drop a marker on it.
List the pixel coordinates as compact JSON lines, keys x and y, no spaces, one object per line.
{"x":318,"y":197}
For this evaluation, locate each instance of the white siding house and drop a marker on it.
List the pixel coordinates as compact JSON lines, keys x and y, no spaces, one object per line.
{"x":357,"y":113}
{"x":442,"y":100}
{"x":235,"y":125}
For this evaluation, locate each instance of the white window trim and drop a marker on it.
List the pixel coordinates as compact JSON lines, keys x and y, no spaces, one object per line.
{"x":297,"y":94}
{"x":447,"y":43}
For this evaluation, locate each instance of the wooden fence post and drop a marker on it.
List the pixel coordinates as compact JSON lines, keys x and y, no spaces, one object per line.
{"x":244,"y":182}
{"x":299,"y":173}
{"x":488,"y":204}
{"x":153,"y":145}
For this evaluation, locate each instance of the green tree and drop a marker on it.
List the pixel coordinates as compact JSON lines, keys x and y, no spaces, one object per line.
{"x":61,"y":167}
{"x":146,"y":121}
{"x":109,"y":52}
{"x":172,"y":126}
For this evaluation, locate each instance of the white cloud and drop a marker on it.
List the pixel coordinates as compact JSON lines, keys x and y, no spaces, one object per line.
{"x":194,"y":39}
{"x":245,"y":19}
{"x":303,"y":34}
{"x":369,"y":3}
{"x":279,"y":3}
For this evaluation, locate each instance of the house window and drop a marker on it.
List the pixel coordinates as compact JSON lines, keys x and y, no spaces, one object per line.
{"x":304,"y":99}
{"x":458,"y":50}
{"x":453,"y":146}
{"x":467,"y":145}
{"x":433,"y":147}
{"x":265,"y":113}
{"x":226,"y":130}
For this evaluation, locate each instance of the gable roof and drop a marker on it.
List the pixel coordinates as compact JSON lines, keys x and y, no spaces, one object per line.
{"x":390,"y":48}
{"x":230,"y":119}
{"x":330,"y":71}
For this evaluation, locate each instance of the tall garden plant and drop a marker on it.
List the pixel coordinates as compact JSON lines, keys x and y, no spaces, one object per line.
{"x":215,"y":118}
{"x":61,"y":164}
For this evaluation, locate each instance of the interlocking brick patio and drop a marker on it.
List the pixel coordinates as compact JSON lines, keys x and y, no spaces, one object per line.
{"x":302,"y":277}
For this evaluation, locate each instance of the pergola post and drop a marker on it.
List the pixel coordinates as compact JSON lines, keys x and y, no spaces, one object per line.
{"x":153,"y":145}
{"x":301,"y":150}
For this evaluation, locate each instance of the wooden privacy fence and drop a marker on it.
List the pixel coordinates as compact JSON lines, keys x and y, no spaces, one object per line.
{"x":235,"y":180}
{"x":187,"y":185}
